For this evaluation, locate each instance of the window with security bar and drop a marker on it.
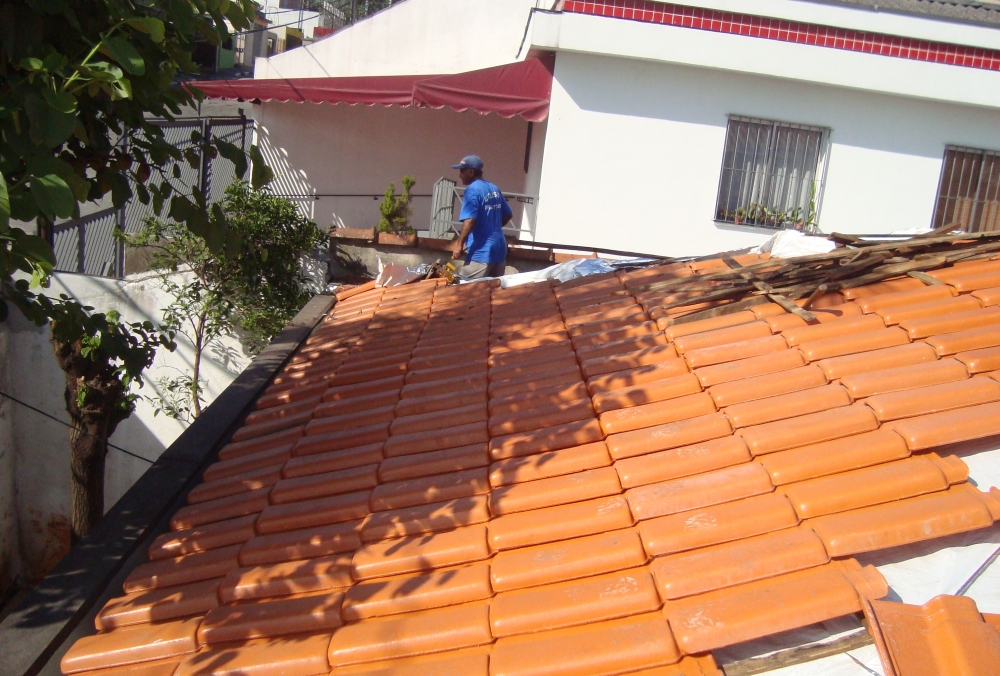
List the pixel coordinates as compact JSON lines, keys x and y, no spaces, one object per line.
{"x":969,"y":190}
{"x":772,"y":174}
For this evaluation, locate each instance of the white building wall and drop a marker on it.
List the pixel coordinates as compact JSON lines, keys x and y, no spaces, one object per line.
{"x":358,"y":150}
{"x":416,"y":37}
{"x":34,"y":451}
{"x":634,"y":149}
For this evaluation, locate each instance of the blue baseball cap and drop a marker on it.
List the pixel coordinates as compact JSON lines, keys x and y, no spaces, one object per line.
{"x":469,"y":162}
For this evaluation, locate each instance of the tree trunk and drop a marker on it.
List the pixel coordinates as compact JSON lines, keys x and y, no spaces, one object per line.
{"x":196,"y":368}
{"x":88,"y":449}
{"x":96,"y":402}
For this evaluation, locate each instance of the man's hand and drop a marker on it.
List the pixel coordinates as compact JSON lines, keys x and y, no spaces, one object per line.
{"x":458,"y":248}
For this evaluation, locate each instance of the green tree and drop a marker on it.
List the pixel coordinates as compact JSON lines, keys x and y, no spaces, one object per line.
{"x":396,"y":211}
{"x":253,"y":294}
{"x":78,"y":82}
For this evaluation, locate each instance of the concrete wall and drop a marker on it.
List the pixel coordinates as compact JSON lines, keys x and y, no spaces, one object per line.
{"x":34,"y":451}
{"x":634,"y":150}
{"x":413,"y":37}
{"x":357,"y":150}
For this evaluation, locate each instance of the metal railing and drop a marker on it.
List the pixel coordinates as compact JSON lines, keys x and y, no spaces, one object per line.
{"x":969,"y":190}
{"x":88,"y":245}
{"x":443,"y":223}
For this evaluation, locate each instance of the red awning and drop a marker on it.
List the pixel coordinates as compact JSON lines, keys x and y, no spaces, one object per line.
{"x":521,"y":88}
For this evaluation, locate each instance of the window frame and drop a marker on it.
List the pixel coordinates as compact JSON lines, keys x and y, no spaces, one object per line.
{"x":974,"y":214}
{"x":822,"y":163}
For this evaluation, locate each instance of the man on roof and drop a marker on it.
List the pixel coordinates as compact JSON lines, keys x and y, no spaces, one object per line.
{"x":484,"y":213}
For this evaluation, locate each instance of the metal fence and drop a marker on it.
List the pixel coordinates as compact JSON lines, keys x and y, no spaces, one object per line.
{"x":447,"y":193}
{"x":88,"y":245}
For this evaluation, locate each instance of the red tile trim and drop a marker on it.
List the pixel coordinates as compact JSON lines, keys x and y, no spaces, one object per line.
{"x":649,"y":11}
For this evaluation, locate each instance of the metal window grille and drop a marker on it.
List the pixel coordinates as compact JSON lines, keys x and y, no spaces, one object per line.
{"x":969,"y":190}
{"x":771,"y":174}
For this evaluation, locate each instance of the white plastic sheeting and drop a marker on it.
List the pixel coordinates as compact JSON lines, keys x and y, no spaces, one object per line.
{"x":580,"y":267}
{"x":792,"y":243}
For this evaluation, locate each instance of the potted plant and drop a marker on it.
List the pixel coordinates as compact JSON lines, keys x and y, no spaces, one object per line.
{"x":394,"y":226}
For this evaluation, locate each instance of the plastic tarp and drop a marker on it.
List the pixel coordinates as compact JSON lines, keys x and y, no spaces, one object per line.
{"x":521,"y":88}
{"x":792,"y":243}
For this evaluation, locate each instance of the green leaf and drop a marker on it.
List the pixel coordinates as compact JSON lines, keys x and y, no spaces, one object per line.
{"x":55,"y":62}
{"x":180,"y":208}
{"x":53,"y":196}
{"x":53,"y":165}
{"x":49,"y":127}
{"x":62,"y":102}
{"x":121,"y":191}
{"x":4,"y":204}
{"x":22,"y":206}
{"x":125,"y":54}
{"x":36,"y":250}
{"x":234,"y":154}
{"x":260,"y":174}
{"x":150,"y":26}
{"x":32,"y":64}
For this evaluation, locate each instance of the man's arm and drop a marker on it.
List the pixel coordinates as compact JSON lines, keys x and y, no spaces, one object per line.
{"x":459,"y":246}
{"x":506,"y":219}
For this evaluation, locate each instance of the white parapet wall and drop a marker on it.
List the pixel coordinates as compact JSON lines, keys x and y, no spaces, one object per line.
{"x":34,"y":450}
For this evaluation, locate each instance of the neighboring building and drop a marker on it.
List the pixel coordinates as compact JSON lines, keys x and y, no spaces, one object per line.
{"x":252,"y":44}
{"x":673,"y":129}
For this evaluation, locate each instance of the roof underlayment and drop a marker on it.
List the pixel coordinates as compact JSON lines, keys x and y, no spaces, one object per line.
{"x":633,"y":472}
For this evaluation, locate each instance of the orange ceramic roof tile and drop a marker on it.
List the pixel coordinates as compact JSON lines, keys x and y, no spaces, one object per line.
{"x":306,"y":543}
{"x":784,"y":321}
{"x":700,"y":490}
{"x":541,"y":416}
{"x":391,"y":384}
{"x":527,"y":401}
{"x":515,"y":343}
{"x":275,"y":424}
{"x":633,"y":330}
{"x":737,"y":614}
{"x":933,"y":324}
{"x":349,"y":421}
{"x":473,"y":381}
{"x":980,"y":361}
{"x":220,"y":509}
{"x":330,"y":461}
{"x":182,"y":569}
{"x":533,"y":355}
{"x":341,"y":439}
{"x":722,"y":336}
{"x":566,"y":560}
{"x":881,"y":288}
{"x":612,"y":647}
{"x":681,"y":462}
{"x":897,"y":299}
{"x":604,"y":311}
{"x":782,"y":360}
{"x":546,"y":380}
{"x":128,"y":645}
{"x":957,"y":510}
{"x":436,"y":439}
{"x":853,"y":344}
{"x":292,"y":656}
{"x":445,"y":372}
{"x":437,"y":516}
{"x":987,"y":297}
{"x":675,"y":330}
{"x":730,"y":352}
{"x":521,"y":368}
{"x":546,"y":439}
{"x":949,"y":427}
{"x":558,"y":490}
{"x":768,"y":385}
{"x":423,"y":552}
{"x":621,"y":347}
{"x":629,"y":360}
{"x":962,"y":341}
{"x":159,"y":605}
{"x":203,"y":538}
{"x":426,"y":631}
{"x":287,"y":578}
{"x":268,"y":442}
{"x":866,"y":383}
{"x":945,"y":635}
{"x":965,"y":268}
{"x":784,"y":406}
{"x":315,"y":612}
{"x":657,"y":390}
{"x":717,"y":524}
{"x":972,"y":282}
{"x":247,"y":463}
{"x":433,"y":462}
{"x":657,"y":413}
{"x":340,"y":407}
{"x":834,"y":329}
{"x":733,"y":563}
{"x":639,"y":375}
{"x":670,"y":435}
{"x":424,"y":422}
{"x":563,"y":522}
{"x":325,"y":484}
{"x":425,"y":490}
{"x":422,"y":591}
{"x":831,"y":457}
{"x":155,"y":668}
{"x":610,"y":324}
{"x":873,"y":360}
{"x":440,"y":402}
{"x":934,"y":398}
{"x":250,"y":480}
{"x":948,"y":306}
{"x":315,"y":512}
{"x":875,"y":485}
{"x":471,"y":661}
{"x":809,"y":429}
{"x":582,"y":601}
{"x":549,"y":464}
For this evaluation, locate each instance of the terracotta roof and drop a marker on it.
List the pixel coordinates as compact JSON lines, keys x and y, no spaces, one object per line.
{"x":577,"y":478}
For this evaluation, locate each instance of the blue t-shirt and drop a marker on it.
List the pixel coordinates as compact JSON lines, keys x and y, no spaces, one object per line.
{"x":484,"y":202}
